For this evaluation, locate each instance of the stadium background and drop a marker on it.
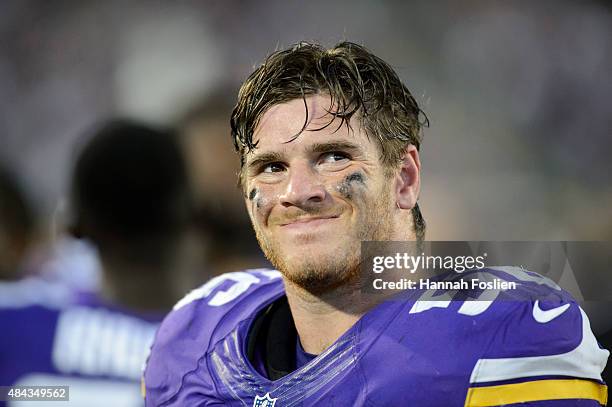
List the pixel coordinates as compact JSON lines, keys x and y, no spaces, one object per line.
{"x":517,"y":93}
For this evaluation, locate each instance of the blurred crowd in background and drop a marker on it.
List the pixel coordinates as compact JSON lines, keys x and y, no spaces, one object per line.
{"x":517,"y":94}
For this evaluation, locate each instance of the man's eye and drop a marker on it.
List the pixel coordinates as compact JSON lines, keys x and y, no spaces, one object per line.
{"x":334,"y":157}
{"x":272,"y":167}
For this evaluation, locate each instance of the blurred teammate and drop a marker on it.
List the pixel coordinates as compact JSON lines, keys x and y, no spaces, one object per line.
{"x":20,"y":257}
{"x":130,"y":198}
{"x":223,"y":223}
{"x":31,"y":267}
{"x":329,"y":140}
{"x":17,"y":227}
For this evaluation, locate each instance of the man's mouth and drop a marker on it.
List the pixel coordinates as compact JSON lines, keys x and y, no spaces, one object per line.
{"x":308,"y":221}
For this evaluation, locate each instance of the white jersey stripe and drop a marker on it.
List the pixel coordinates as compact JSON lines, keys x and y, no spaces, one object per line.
{"x":587,"y":361}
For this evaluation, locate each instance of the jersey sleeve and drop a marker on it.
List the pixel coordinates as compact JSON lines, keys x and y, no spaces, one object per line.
{"x":543,"y":354}
{"x":172,"y":363}
{"x":176,"y":372}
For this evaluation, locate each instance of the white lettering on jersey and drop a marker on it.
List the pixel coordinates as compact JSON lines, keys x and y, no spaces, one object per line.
{"x":242,"y":281}
{"x":472,"y":307}
{"x":428,"y":300}
{"x":99,"y":342}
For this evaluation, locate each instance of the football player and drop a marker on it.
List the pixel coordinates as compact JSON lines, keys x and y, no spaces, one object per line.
{"x":130,"y":198}
{"x":329,"y":143}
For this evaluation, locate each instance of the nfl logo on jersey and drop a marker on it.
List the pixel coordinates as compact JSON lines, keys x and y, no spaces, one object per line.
{"x":265,"y":401}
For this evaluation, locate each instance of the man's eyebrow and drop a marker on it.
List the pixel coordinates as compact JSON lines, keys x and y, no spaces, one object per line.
{"x":333,"y":146}
{"x":269,"y":157}
{"x":263,"y":158}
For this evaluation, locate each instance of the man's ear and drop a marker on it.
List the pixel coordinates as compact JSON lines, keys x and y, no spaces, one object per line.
{"x":409,"y":179}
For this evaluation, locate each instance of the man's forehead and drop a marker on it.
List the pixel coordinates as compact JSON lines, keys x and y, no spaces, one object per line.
{"x":282,"y":124}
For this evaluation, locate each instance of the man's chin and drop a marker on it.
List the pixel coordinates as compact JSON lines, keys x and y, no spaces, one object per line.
{"x":319,"y":273}
{"x":314,"y":262}
{"x":315,"y":282}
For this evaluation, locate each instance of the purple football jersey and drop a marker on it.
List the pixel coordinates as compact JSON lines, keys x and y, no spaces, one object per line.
{"x":531,"y":346}
{"x":94,"y":348}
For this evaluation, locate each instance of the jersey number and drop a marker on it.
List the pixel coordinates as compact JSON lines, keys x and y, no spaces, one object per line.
{"x":241,"y":282}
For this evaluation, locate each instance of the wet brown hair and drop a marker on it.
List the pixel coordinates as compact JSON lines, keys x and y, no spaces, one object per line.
{"x":358,"y":83}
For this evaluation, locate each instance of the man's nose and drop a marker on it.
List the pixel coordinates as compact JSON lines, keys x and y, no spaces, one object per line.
{"x":303,"y":188}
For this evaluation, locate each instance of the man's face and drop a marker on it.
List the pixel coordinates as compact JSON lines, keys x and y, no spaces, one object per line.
{"x":312,"y":200}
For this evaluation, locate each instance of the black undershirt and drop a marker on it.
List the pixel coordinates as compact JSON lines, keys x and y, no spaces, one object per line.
{"x":273,"y":339}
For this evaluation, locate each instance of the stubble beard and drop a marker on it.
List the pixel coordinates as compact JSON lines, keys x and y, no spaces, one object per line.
{"x":319,"y":273}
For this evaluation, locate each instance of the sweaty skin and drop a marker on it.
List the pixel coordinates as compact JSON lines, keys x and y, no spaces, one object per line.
{"x":345,"y":188}
{"x":256,"y":198}
{"x":352,"y":193}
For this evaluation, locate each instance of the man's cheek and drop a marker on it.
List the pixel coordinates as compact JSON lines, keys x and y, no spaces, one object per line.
{"x":261,"y":201}
{"x":351,"y":185}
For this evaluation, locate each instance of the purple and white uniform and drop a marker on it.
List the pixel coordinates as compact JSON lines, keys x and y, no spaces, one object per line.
{"x":50,"y":338}
{"x":531,"y":346}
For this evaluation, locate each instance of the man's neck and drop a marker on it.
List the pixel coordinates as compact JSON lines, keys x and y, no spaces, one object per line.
{"x":321,"y":319}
